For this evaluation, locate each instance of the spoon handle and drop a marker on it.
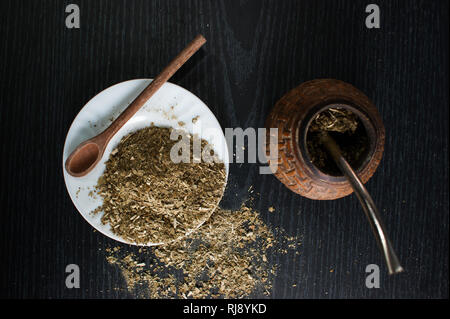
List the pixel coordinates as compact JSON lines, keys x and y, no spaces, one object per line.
{"x":367,"y":203}
{"x":147,"y":93}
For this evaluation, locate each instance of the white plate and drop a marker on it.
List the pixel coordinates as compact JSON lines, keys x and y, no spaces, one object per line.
{"x":167,"y":108}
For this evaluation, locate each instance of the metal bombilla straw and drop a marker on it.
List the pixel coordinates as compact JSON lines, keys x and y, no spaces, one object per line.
{"x":367,"y":203}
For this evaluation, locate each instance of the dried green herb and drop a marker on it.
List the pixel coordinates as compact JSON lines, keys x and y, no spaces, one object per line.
{"x":348,"y":132}
{"x":335,"y":120}
{"x":228,"y":257}
{"x":147,"y":198}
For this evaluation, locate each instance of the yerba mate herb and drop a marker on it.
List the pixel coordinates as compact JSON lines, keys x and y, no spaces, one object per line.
{"x":147,"y":198}
{"x":348,"y":132}
{"x":335,"y":120}
{"x":226,"y":258}
{"x":230,"y":256}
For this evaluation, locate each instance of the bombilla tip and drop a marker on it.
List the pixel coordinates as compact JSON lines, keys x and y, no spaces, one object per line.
{"x":397,"y":270}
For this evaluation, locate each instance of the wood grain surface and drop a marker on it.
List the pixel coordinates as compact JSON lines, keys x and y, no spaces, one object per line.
{"x":256,"y":52}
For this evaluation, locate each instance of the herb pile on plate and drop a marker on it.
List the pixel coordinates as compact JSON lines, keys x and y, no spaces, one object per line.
{"x":148,"y":198}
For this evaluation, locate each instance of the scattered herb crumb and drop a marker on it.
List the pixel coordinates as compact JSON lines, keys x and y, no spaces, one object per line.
{"x":224,"y":258}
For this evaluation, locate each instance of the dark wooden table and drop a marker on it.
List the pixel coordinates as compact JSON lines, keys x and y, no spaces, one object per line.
{"x":256,"y":52}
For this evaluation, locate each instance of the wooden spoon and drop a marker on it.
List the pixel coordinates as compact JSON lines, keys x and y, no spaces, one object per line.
{"x":86,"y":156}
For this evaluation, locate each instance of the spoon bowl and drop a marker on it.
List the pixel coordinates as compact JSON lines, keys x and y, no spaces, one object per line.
{"x":83,"y":159}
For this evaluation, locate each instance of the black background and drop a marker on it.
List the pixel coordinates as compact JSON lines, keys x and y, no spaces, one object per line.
{"x":256,"y":52}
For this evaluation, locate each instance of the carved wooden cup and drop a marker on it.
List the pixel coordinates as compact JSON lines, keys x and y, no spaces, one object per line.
{"x":293,"y":114}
